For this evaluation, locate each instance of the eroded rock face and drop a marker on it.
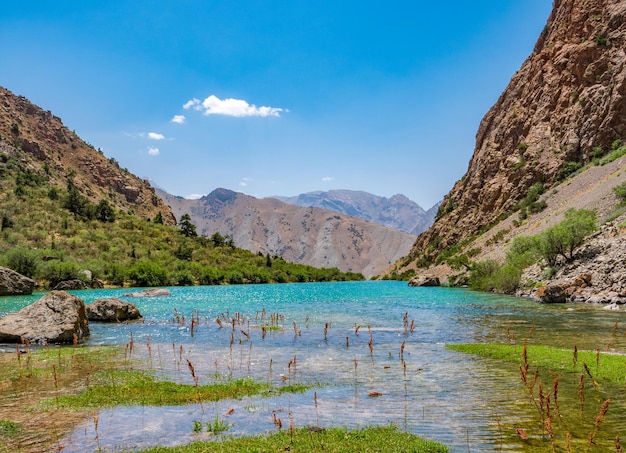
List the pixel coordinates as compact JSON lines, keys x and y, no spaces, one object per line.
{"x":58,"y":317}
{"x":112,"y":310}
{"x":14,"y":284}
{"x":568,"y":97}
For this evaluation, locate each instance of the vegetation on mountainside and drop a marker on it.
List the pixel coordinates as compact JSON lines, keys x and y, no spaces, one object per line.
{"x":52,"y":233}
{"x":555,"y":245}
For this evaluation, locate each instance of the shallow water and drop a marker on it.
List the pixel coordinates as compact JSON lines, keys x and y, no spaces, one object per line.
{"x":463,"y":401}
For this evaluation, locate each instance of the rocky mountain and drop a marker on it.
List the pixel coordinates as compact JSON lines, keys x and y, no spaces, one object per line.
{"x":397,"y":212}
{"x":565,"y":107}
{"x":42,"y":144}
{"x":306,"y":235}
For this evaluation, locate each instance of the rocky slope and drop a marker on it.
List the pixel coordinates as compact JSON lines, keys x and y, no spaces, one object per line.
{"x":565,"y":106}
{"x":42,"y":144}
{"x":397,"y":212}
{"x":305,"y":235}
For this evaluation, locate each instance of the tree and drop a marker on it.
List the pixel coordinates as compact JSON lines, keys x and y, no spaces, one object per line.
{"x":158,"y":218}
{"x":564,"y":238}
{"x":104,"y":211}
{"x":187,"y":228}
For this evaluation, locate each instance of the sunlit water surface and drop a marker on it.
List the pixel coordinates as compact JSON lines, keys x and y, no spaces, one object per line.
{"x":468,"y":403}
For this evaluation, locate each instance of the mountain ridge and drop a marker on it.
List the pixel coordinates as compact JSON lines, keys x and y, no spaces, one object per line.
{"x":305,"y":235}
{"x":397,"y":212}
{"x":563,"y":108}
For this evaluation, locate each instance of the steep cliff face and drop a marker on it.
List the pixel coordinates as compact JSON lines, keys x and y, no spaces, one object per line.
{"x":304,"y":235}
{"x":42,"y":143}
{"x":566,"y":105}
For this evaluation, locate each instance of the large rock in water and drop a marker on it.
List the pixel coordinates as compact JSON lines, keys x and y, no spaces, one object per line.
{"x":14,"y":284}
{"x":154,"y":292}
{"x":112,"y":310}
{"x":55,"y":318}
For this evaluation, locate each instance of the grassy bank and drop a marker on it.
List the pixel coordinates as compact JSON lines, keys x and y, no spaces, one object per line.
{"x":334,"y":440}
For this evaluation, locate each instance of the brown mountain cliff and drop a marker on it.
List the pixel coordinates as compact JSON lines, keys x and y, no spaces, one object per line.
{"x":42,"y":143}
{"x":566,"y":105}
{"x":305,"y":235}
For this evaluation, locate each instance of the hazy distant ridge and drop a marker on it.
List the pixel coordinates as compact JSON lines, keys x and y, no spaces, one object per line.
{"x":397,"y":212}
{"x":306,"y":235}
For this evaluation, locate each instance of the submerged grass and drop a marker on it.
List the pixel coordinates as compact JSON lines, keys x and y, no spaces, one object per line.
{"x":604,"y":366}
{"x":332,"y":440}
{"x":138,"y":387}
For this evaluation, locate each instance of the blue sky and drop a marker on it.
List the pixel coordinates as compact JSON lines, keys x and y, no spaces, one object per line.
{"x":273,"y":98}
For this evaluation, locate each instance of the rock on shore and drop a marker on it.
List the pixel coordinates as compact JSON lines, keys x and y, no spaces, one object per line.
{"x":14,"y":284}
{"x":58,"y":317}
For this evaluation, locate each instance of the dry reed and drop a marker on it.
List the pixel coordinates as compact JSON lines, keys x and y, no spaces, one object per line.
{"x":596,"y":426}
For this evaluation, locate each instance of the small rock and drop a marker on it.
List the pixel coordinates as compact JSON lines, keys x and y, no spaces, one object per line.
{"x":112,"y":310}
{"x":612,"y":307}
{"x":425,"y":280}
{"x":156,"y":292}
{"x":552,"y":294}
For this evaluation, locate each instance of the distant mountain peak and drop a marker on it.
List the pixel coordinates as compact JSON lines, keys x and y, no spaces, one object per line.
{"x":397,"y":212}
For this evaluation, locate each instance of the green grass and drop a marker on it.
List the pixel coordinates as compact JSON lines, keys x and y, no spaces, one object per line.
{"x":8,"y":429}
{"x":134,"y":387}
{"x":609,"y":367}
{"x":332,"y":440}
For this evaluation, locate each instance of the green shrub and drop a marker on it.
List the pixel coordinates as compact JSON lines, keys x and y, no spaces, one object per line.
{"x":567,"y":169}
{"x":562,"y":239}
{"x":620,"y":192}
{"x":22,"y":261}
{"x":147,"y":273}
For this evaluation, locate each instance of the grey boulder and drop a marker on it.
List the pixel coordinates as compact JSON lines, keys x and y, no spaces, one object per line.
{"x":112,"y":310}
{"x":14,"y":284}
{"x":58,"y":317}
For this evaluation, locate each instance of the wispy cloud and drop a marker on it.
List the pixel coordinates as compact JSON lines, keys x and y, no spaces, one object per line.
{"x":154,"y":151}
{"x":195,"y":196}
{"x":178,"y":119}
{"x":231,"y":107}
{"x":327,"y":178}
{"x":155,"y":136}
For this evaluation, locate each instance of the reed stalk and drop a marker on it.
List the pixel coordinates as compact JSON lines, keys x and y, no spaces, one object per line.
{"x":596,"y":426}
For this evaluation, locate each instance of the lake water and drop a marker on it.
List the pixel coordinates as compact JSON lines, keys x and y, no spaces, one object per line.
{"x":399,"y":350}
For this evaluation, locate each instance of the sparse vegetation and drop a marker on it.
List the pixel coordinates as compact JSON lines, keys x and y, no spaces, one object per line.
{"x":332,"y":440}
{"x":55,"y":232}
{"x":559,"y":241}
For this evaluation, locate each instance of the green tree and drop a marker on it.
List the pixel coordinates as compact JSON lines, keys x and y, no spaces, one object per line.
{"x":104,"y":211}
{"x":564,"y":238}
{"x":158,"y":218}
{"x":22,"y":261}
{"x":187,"y":228}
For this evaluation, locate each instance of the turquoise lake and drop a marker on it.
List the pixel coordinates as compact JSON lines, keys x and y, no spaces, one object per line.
{"x":347,"y":340}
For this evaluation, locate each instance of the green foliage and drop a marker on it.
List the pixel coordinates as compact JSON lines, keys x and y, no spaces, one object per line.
{"x":104,"y":211}
{"x":187,"y":228}
{"x":158,"y":219}
{"x":329,"y":440}
{"x":620,"y":192}
{"x":601,"y":40}
{"x":558,"y":241}
{"x":562,"y":239}
{"x":22,"y":261}
{"x":491,"y":276}
{"x":567,"y":169}
{"x":148,"y":273}
{"x":122,"y":248}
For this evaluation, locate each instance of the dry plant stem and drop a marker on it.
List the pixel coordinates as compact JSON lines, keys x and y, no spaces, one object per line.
{"x":581,"y":393}
{"x":596,"y":426}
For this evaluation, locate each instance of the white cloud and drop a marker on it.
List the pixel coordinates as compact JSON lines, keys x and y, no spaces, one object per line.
{"x":195,"y":196}
{"x":192,"y":103}
{"x":231,"y":107}
{"x":154,"y":151}
{"x":243,"y":184}
{"x":327,"y":178}
{"x":178,"y":119}
{"x":155,"y":136}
